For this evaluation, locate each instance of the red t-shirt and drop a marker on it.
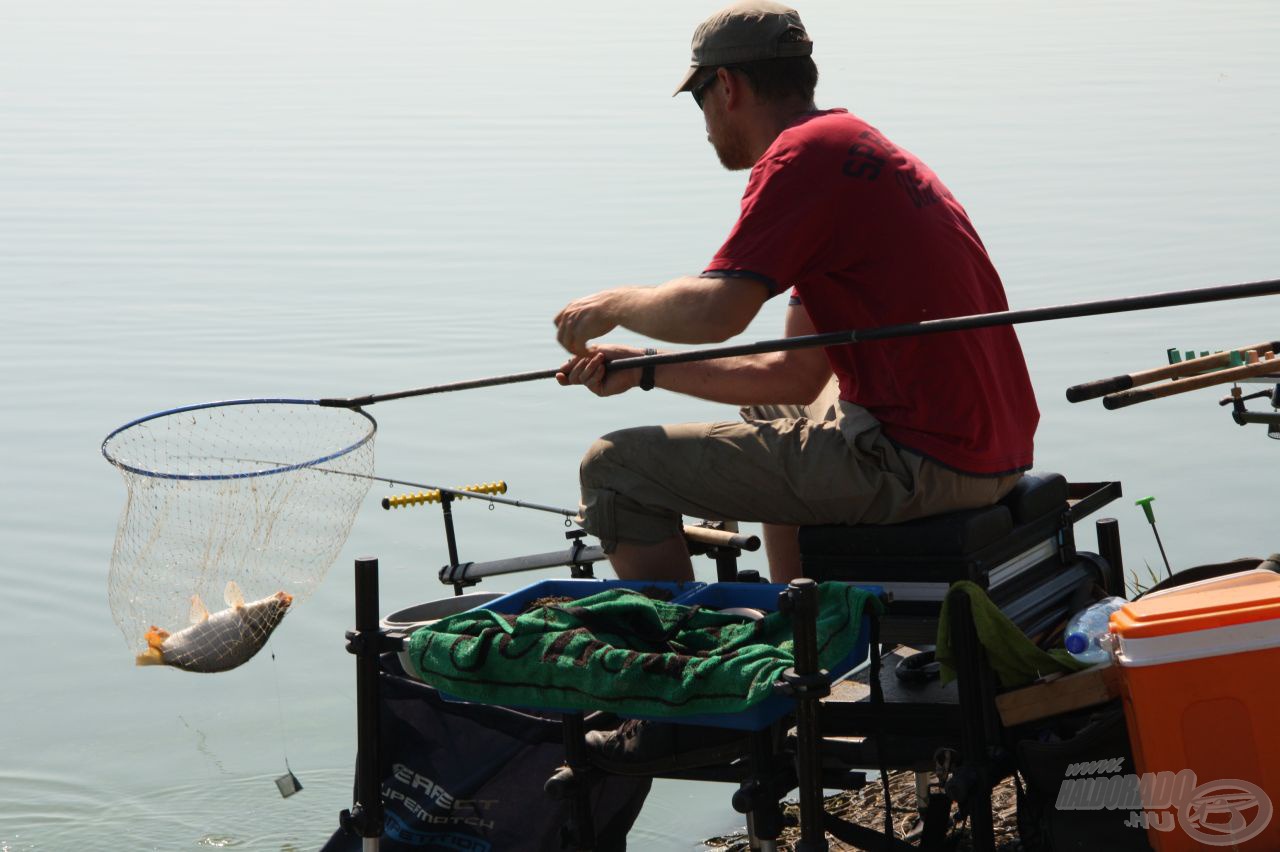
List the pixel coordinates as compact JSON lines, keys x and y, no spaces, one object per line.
{"x":868,"y":236}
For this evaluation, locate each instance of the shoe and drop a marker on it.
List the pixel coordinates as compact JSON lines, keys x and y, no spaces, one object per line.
{"x":638,"y":747}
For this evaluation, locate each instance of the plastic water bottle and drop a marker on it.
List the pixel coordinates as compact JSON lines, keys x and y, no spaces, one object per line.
{"x":1087,"y":627}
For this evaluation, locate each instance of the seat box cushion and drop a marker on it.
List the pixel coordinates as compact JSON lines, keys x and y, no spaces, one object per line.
{"x":954,"y":534}
{"x":949,"y":536}
{"x":1035,"y":495}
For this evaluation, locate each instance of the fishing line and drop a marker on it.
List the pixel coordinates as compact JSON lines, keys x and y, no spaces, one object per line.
{"x":288,"y":783}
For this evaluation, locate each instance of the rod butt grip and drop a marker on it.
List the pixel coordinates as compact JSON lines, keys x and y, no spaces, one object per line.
{"x":1123,"y":400}
{"x":1102,"y":387}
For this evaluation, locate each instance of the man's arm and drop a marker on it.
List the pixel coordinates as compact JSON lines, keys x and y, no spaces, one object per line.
{"x":683,"y":310}
{"x":793,"y":377}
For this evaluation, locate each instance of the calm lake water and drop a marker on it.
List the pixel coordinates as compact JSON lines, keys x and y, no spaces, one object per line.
{"x":220,"y":200}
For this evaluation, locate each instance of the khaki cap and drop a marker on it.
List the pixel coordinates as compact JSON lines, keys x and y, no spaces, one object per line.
{"x":746,"y":32}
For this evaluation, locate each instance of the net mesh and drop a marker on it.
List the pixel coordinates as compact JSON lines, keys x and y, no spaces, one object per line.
{"x":259,"y":493}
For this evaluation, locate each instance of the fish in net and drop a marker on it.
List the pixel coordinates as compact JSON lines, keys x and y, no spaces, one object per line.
{"x":244,"y":500}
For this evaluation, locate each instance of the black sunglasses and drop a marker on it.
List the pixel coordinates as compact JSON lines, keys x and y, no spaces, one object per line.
{"x":700,"y":91}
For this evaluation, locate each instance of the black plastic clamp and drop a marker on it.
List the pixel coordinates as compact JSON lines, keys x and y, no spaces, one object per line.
{"x":373,"y":643}
{"x":817,"y":685}
{"x":578,"y":569}
{"x":353,"y":821}
{"x":456,"y":575}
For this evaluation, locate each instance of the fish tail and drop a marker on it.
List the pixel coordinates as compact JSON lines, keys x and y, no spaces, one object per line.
{"x":154,"y":655}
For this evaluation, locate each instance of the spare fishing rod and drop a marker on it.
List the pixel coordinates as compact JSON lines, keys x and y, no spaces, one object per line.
{"x":485,"y":491}
{"x":1176,"y":298}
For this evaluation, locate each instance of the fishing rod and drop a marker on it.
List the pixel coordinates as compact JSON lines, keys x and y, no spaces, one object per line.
{"x":476,"y":492}
{"x":1151,"y":301}
{"x":485,"y":491}
{"x":706,"y":536}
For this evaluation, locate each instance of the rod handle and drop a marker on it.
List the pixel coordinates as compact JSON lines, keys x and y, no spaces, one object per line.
{"x":1259,"y":367}
{"x":421,"y":497}
{"x":1181,"y":369}
{"x":721,"y":538}
{"x":1102,"y":387}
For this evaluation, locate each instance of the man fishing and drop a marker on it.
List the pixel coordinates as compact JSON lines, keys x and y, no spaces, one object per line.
{"x":862,"y":234}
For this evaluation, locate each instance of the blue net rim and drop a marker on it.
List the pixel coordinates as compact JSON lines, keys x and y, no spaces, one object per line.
{"x":368,"y":436}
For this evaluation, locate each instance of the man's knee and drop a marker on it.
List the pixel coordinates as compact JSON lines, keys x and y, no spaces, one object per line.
{"x":593,"y":461}
{"x":621,"y":449}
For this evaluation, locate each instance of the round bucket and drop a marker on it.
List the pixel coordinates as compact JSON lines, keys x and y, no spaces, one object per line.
{"x":411,"y":618}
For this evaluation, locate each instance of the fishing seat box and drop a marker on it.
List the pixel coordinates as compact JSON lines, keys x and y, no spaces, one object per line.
{"x":1021,"y":551}
{"x":1199,"y":666}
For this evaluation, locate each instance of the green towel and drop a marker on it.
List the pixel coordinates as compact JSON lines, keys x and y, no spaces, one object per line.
{"x":619,"y":650}
{"x":1013,"y":657}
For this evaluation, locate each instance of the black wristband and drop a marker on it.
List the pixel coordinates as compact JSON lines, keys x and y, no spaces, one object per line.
{"x":646,"y":372}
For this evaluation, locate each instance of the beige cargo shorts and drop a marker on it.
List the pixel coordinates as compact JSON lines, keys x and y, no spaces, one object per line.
{"x":824,"y":463}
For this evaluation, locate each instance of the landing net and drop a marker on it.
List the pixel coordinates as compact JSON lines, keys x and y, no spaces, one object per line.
{"x":261,"y":493}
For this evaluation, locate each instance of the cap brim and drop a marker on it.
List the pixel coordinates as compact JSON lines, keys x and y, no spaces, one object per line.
{"x":688,"y":79}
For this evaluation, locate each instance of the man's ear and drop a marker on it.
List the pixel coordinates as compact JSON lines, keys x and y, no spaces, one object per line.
{"x":735,"y":88}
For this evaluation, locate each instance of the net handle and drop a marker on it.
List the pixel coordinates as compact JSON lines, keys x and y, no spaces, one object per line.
{"x":993,"y":319}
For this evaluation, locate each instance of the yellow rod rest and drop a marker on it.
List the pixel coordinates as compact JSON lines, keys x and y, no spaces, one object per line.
{"x":433,"y":496}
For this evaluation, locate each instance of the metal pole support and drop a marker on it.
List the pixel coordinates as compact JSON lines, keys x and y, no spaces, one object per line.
{"x":809,"y":685}
{"x":972,"y":785}
{"x":1108,"y":530}
{"x":366,"y":815}
{"x":582,"y":832}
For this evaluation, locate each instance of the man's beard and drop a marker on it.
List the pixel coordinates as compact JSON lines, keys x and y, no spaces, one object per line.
{"x":732,"y":151}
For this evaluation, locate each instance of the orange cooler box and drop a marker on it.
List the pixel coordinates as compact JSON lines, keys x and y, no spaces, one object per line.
{"x":1200,"y":669}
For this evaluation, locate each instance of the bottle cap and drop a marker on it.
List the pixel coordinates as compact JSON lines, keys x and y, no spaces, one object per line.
{"x":1076,"y":643}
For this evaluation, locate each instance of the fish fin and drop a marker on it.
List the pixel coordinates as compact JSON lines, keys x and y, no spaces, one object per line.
{"x":154,"y":655}
{"x":155,"y":637}
{"x":199,"y":612}
{"x":233,"y":596}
